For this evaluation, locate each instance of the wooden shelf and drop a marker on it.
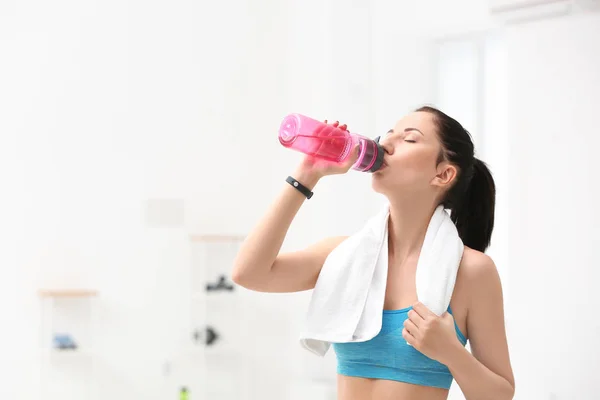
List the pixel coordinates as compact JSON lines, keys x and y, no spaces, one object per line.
{"x":217,"y":238}
{"x":67,"y":293}
{"x":51,"y":352}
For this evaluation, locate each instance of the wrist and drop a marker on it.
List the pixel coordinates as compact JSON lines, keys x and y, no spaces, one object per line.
{"x":307,"y":177}
{"x":455,"y":355}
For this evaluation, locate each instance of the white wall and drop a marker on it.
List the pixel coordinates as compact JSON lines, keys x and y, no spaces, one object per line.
{"x":471,"y":76}
{"x":534,"y":107}
{"x":104,"y":105}
{"x":108,"y":104}
{"x":553,"y":90}
{"x":95,"y":98}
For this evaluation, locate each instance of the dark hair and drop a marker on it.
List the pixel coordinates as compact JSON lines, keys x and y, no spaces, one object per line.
{"x":472,"y":198}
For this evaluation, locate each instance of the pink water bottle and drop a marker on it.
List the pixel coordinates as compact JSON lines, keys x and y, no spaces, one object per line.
{"x":327,"y":142}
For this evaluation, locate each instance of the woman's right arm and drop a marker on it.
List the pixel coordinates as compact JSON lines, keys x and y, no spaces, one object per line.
{"x":259,"y":266}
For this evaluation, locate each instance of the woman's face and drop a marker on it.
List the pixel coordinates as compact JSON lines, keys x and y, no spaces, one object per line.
{"x":410,"y":163}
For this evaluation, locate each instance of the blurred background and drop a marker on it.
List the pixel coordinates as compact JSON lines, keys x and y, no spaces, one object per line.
{"x":139,"y":146}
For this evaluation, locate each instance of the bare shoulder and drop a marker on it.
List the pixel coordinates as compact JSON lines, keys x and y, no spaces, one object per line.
{"x":479,"y":274}
{"x":476,"y":266}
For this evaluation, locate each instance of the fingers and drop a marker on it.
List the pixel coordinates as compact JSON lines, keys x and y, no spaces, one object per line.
{"x":349,"y":161}
{"x":411,"y":328}
{"x":423,"y":311}
{"x":415,"y":318}
{"x":410,"y":339}
{"x":353,"y":157}
{"x":336,"y":124}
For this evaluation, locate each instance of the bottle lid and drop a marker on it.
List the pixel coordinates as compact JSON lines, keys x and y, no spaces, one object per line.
{"x":378,"y":159}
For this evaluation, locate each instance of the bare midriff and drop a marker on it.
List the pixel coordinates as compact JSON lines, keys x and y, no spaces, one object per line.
{"x":352,"y":388}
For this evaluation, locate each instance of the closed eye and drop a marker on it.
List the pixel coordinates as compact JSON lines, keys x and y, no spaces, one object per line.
{"x":391,"y":131}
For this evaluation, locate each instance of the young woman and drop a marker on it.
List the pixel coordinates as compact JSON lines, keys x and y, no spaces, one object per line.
{"x":429,"y":161}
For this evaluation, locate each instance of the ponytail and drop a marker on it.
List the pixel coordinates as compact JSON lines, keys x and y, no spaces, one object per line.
{"x":473,"y":209}
{"x":472,"y":198}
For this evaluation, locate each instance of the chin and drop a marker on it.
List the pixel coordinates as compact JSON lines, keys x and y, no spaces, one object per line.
{"x":390,"y":185}
{"x":377,"y":183}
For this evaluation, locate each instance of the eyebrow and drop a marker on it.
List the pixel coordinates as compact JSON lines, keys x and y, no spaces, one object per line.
{"x":407,"y":130}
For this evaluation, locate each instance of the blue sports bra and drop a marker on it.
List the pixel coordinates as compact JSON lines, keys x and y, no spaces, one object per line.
{"x":388,"y":356}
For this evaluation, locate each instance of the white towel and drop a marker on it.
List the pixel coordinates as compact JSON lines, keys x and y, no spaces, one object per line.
{"x":347,"y":302}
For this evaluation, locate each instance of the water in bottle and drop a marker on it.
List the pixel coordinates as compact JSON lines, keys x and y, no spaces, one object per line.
{"x":328,"y":142}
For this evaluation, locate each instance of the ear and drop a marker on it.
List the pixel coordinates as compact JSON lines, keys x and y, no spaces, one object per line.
{"x":446,"y":173}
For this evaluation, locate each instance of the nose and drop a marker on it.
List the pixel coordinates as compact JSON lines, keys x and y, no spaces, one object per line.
{"x":386,"y":147}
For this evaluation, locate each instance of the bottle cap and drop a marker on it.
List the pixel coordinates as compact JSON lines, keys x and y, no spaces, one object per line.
{"x":379,"y":159}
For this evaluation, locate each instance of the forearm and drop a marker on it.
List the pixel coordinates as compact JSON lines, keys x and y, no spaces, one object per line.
{"x":261,"y":247}
{"x":476,"y":381}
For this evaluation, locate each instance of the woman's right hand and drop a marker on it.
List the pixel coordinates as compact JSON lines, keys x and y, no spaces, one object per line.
{"x":319,"y":168}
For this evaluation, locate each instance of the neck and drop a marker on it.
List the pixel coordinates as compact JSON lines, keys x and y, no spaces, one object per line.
{"x":408,"y":223}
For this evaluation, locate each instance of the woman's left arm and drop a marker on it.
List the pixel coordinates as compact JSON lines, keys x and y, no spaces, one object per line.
{"x":487,"y":372}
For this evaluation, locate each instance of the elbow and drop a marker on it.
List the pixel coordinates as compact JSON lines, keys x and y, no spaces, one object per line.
{"x":509,"y":392}
{"x":245,"y":276}
{"x":238,"y":271}
{"x":238,"y":276}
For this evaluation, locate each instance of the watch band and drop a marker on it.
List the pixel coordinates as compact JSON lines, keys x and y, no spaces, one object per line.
{"x":300,"y":187}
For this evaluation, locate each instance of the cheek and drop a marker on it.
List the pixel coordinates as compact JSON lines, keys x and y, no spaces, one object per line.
{"x":417,"y":161}
{"x":413,"y":167}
